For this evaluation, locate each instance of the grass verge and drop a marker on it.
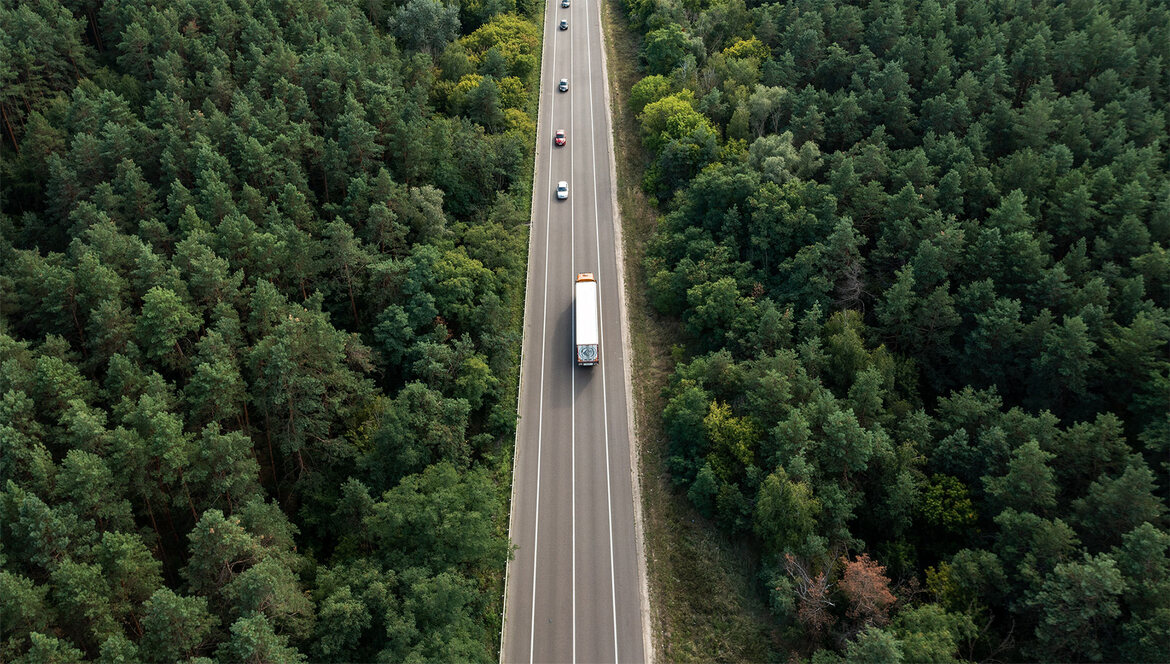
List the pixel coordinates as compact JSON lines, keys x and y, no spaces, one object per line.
{"x":704,"y":600}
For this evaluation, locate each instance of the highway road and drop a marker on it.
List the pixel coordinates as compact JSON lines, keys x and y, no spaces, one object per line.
{"x":576,"y":588}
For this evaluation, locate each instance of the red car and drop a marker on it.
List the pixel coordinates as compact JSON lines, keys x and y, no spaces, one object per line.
{"x":559,"y":139}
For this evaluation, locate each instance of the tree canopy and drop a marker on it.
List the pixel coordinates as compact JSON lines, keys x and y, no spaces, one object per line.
{"x":918,"y":254}
{"x":261,"y":277}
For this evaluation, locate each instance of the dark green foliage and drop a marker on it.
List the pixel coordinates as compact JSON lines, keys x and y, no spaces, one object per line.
{"x":253,"y":640}
{"x":255,"y":257}
{"x":437,"y":520}
{"x":424,"y":25}
{"x":1115,"y":505}
{"x":175,"y":627}
{"x":1077,"y":602}
{"x":924,"y":266}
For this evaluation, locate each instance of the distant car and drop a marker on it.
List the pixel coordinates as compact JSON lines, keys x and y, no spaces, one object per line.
{"x":564,"y":86}
{"x":565,"y":4}
{"x":562,"y":190}
{"x":559,"y":138}
{"x":564,"y":24}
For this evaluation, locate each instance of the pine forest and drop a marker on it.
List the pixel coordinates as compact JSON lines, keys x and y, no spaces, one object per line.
{"x":917,"y":252}
{"x":261,"y":279}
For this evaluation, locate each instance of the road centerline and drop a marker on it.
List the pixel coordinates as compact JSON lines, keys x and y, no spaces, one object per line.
{"x":596,"y":505}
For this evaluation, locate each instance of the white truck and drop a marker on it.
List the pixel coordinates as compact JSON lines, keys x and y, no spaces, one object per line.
{"x":587,"y":315}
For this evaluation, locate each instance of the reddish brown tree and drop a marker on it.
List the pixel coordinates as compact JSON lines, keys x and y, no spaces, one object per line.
{"x":868,"y":589}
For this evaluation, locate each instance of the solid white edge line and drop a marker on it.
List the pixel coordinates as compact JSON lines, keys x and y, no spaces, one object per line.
{"x":601,"y":339}
{"x":646,"y":621}
{"x":648,"y":651}
{"x":523,"y":360}
{"x":543,"y":344}
{"x":573,"y":388}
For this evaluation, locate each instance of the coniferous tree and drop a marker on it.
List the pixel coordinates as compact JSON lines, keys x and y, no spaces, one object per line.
{"x":207,"y":210}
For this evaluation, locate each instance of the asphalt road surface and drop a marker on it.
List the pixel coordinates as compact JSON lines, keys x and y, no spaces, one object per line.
{"x":575,"y":589}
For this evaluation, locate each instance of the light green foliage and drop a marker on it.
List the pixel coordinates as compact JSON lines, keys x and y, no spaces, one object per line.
{"x":786,"y":512}
{"x":874,"y":645}
{"x":223,"y":468}
{"x":221,"y":548}
{"x":41,"y":40}
{"x":1147,"y":637}
{"x":82,"y":592}
{"x":272,"y":589}
{"x":512,"y":36}
{"x":87,"y":482}
{"x":930,"y":634}
{"x":119,"y":650}
{"x":671,"y":117}
{"x":428,"y":537}
{"x":714,"y":306}
{"x":308,"y":374}
{"x":779,"y":160}
{"x":442,"y":605}
{"x":945,"y":504}
{"x":732,"y":439}
{"x":23,"y":457}
{"x":747,"y":48}
{"x":341,"y":619}
{"x":648,"y":90}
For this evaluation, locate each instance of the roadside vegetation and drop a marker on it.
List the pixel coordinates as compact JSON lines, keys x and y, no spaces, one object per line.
{"x":261,"y":285}
{"x":914,"y":256}
{"x":704,"y":605}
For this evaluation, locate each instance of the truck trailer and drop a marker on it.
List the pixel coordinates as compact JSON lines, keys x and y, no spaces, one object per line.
{"x":588,"y":323}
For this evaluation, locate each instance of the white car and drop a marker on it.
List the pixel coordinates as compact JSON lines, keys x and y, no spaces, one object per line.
{"x":564,"y":85}
{"x":562,"y":190}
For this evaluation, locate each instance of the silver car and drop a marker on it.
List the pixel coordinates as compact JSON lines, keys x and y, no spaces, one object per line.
{"x":564,"y":86}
